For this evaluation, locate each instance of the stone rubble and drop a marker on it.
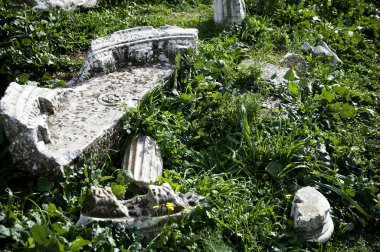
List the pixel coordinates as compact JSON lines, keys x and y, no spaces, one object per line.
{"x":143,"y":160}
{"x":229,"y":12}
{"x":50,"y":128}
{"x":322,"y":48}
{"x":145,"y":213}
{"x":311,"y":213}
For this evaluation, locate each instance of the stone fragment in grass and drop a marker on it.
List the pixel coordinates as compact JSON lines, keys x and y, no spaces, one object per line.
{"x":143,"y":160}
{"x":311,"y":213}
{"x":50,"y":128}
{"x":145,"y":213}
{"x":322,"y":49}
{"x":229,"y":12}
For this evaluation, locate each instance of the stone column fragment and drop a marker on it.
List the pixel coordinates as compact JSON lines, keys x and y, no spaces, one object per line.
{"x":229,"y":12}
{"x":143,"y":160}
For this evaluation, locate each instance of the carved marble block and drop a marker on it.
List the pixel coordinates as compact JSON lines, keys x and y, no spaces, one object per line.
{"x":145,"y":213}
{"x":50,"y":128}
{"x":311,"y":213}
{"x":143,"y":160}
{"x":229,"y":12}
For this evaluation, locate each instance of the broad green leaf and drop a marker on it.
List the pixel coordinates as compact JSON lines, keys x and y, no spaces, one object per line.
{"x":78,"y":244}
{"x":187,"y":97}
{"x":43,"y":184}
{"x":290,"y":75}
{"x":293,"y":87}
{"x":351,"y":191}
{"x":327,"y":96}
{"x":340,"y":90}
{"x":40,"y":234}
{"x":304,"y":84}
{"x":118,"y":191}
{"x":274,"y":169}
{"x":46,"y":76}
{"x":347,"y":111}
{"x":59,"y":228}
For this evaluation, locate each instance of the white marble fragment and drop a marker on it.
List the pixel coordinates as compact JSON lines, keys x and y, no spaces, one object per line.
{"x":322,"y":48}
{"x":68,"y":5}
{"x":50,"y":128}
{"x":311,"y":213}
{"x":229,"y":12}
{"x":145,"y":213}
{"x":143,"y":160}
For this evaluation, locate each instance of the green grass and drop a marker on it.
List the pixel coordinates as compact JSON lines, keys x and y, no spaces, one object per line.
{"x":215,"y":137}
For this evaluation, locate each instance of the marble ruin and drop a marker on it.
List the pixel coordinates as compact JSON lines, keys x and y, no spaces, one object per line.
{"x":311,"y":213}
{"x":143,"y":160}
{"x":50,"y":128}
{"x":146,"y":213}
{"x":322,"y":49}
{"x":68,"y":5}
{"x":229,"y":12}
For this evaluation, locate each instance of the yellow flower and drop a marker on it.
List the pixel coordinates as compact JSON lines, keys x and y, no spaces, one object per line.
{"x":288,"y":196}
{"x":170,"y":206}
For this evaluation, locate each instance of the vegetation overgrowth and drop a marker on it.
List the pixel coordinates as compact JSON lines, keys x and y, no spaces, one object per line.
{"x":215,"y":136}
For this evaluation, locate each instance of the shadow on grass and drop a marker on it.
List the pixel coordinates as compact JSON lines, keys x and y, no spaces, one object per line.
{"x":208,"y":29}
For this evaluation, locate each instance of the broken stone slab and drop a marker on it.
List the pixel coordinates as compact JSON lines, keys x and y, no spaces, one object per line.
{"x":68,"y":5}
{"x":50,"y":128}
{"x":146,"y":213}
{"x":311,"y":213}
{"x":135,"y":46}
{"x":143,"y":160}
{"x":229,"y":12}
{"x":322,"y":48}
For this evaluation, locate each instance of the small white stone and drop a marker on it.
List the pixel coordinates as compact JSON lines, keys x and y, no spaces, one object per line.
{"x":311,"y":213}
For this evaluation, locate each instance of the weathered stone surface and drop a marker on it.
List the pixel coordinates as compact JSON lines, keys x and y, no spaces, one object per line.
{"x":49,"y":128}
{"x":64,"y":4}
{"x":322,"y":48}
{"x":143,"y":160}
{"x":311,"y":213}
{"x":146,"y":213}
{"x":136,"y":46}
{"x":229,"y":12}
{"x":294,"y":59}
